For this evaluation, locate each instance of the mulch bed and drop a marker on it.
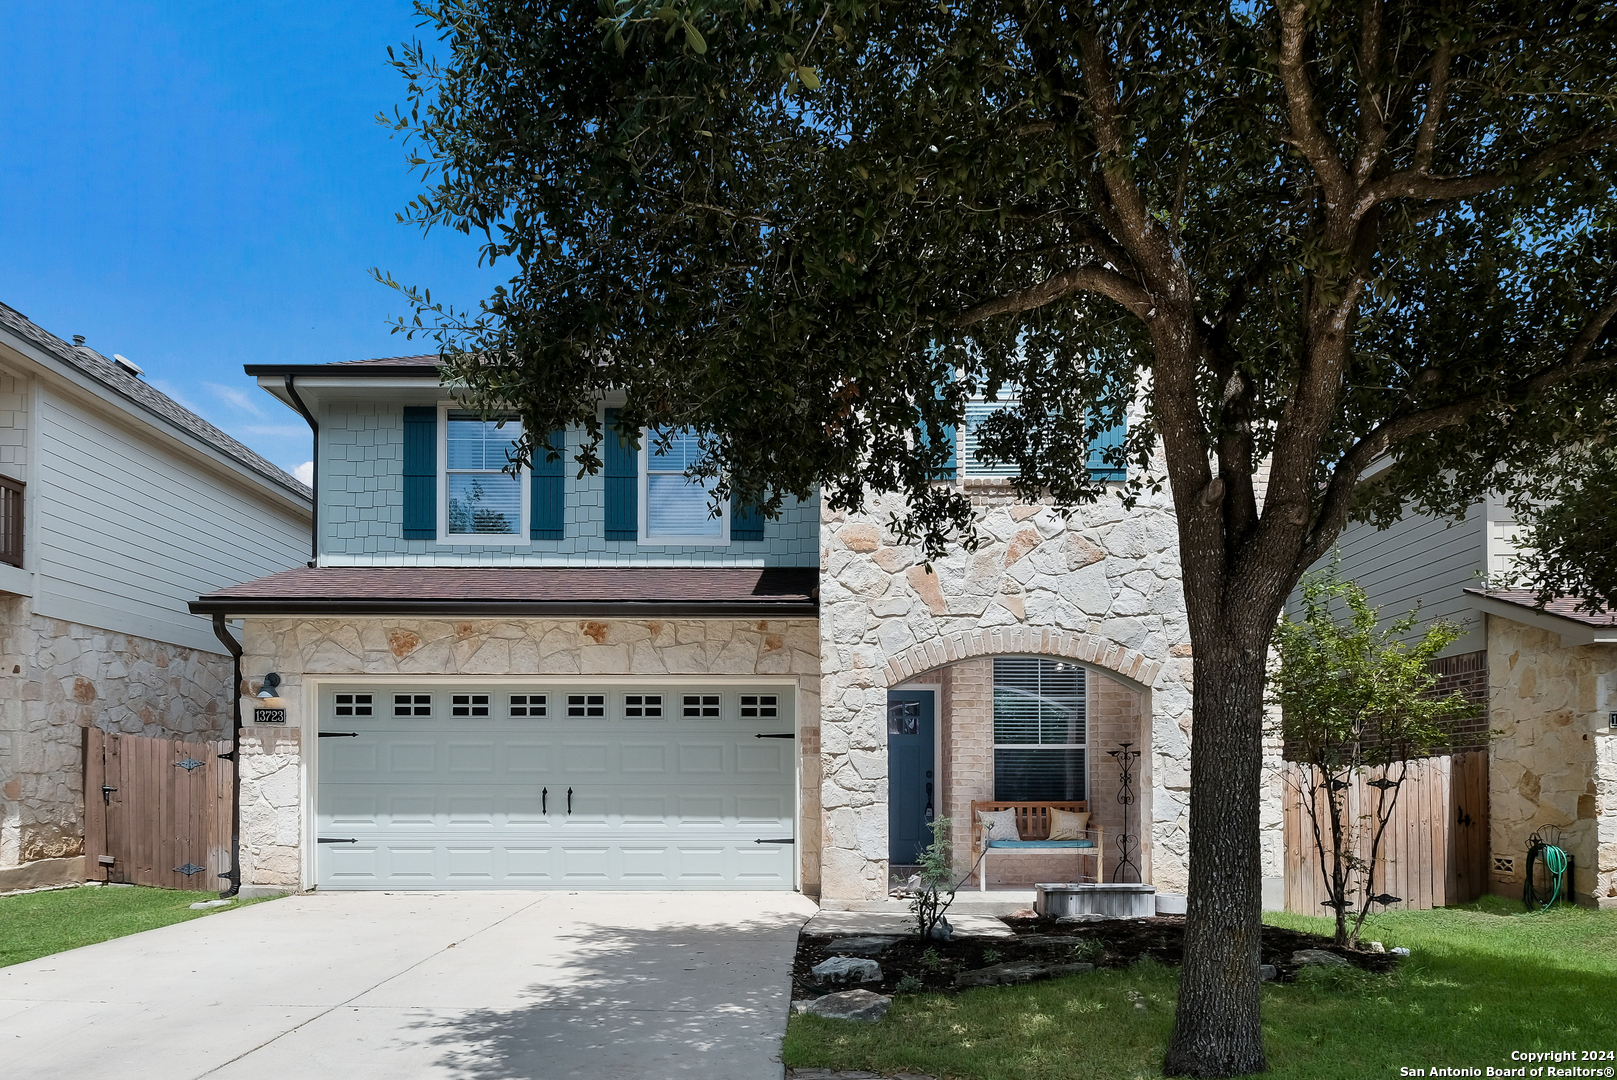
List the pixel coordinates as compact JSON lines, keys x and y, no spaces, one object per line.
{"x":1116,"y":943}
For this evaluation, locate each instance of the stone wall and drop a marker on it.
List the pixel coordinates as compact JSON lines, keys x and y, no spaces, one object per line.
{"x":57,"y":678}
{"x":272,"y":758}
{"x":1553,"y":760}
{"x":1101,"y":587}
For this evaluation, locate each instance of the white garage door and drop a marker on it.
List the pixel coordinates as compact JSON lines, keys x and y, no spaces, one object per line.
{"x":513,"y":786}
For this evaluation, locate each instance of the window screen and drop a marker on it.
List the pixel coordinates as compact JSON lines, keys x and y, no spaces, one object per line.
{"x":1040,"y":731}
{"x":483,"y":498}
{"x":677,"y":506}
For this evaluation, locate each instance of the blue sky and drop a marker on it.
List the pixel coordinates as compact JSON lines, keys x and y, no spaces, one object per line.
{"x":200,"y":186}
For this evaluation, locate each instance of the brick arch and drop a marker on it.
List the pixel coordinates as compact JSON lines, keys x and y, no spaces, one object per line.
{"x":1129,"y":666}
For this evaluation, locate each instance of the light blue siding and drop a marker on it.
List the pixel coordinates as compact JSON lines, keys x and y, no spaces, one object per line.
{"x":127,"y":531}
{"x":1424,"y":561}
{"x":362,"y":512}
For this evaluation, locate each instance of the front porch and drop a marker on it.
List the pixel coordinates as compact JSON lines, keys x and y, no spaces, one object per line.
{"x":1018,"y":728}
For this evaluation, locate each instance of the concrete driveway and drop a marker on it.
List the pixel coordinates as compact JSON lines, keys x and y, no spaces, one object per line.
{"x":473,"y":986}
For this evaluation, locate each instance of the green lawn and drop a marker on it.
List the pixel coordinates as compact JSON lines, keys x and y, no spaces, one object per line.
{"x":1483,"y":981}
{"x":40,"y":923}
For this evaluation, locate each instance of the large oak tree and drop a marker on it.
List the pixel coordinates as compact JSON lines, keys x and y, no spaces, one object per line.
{"x":1307,"y":235}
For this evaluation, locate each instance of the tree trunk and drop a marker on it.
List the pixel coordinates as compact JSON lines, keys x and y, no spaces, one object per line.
{"x":1217,"y":1031}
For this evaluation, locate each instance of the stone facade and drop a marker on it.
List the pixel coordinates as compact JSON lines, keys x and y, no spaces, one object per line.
{"x":58,"y":678}
{"x":1553,"y":760}
{"x":1101,"y":587}
{"x":272,"y":827}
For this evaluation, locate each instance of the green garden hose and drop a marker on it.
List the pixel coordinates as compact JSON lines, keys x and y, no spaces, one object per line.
{"x":1555,"y":864}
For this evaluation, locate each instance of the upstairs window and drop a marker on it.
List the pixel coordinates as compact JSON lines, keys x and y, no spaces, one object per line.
{"x":482,"y":501}
{"x":677,"y":509}
{"x":1040,"y":731}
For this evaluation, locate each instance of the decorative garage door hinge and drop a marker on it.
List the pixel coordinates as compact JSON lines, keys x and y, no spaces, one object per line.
{"x":335,"y":840}
{"x":339,"y":734}
{"x":189,"y":868}
{"x":783,"y":840}
{"x":188,"y":764}
{"x":782,"y":735}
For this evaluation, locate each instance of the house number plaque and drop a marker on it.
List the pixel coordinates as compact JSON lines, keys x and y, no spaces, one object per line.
{"x":269,"y":716}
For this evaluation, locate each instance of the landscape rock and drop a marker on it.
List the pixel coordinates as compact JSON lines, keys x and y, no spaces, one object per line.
{"x":847,"y":1005}
{"x":1050,"y":940}
{"x":1267,"y":973}
{"x":1304,"y":957}
{"x":845,"y":970}
{"x":867,"y":945}
{"x":205,"y":904}
{"x":1376,"y":946}
{"x":1400,"y":951}
{"x":1084,"y":917}
{"x":943,"y":931}
{"x":1021,"y":971}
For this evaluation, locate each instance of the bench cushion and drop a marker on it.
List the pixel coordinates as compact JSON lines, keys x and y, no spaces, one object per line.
{"x":1041,"y":844}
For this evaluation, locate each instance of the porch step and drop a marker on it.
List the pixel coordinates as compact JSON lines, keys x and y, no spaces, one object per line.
{"x":898,"y":920}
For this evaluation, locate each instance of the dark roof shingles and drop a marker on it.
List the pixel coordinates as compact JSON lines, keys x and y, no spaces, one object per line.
{"x":548,"y":586}
{"x":1565,"y":606}
{"x":154,"y":401}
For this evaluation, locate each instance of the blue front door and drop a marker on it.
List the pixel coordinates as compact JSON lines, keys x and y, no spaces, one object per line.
{"x":911,"y":785}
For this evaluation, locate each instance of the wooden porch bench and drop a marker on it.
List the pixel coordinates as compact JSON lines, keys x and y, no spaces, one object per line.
{"x":1032,"y":830}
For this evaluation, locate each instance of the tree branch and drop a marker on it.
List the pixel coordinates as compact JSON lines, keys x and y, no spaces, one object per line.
{"x":1338,"y":498}
{"x":1058,"y":285}
{"x":1436,"y":99}
{"x":1305,"y":129}
{"x":1415,"y":184}
{"x":1373,"y":129}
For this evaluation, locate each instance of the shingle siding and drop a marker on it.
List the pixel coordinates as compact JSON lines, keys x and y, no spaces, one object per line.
{"x":362,"y":512}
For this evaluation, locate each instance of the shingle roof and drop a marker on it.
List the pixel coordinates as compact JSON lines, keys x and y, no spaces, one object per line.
{"x":1566,"y":606}
{"x":415,"y":367}
{"x":533,"y":591}
{"x":426,"y":360}
{"x":164,"y":408}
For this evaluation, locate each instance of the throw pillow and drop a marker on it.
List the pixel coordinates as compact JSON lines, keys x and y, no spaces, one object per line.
{"x":1066,"y":825}
{"x":998,"y":824}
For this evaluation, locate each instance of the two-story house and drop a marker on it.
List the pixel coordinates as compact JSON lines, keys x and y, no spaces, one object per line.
{"x":488,"y":680}
{"x":117,"y":507}
{"x":1547,"y":677}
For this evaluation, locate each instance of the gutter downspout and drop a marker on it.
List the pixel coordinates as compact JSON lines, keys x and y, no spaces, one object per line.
{"x":314,"y":426}
{"x":222,"y":632}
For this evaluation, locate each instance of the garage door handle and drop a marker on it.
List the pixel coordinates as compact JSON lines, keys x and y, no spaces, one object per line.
{"x":782,"y":735}
{"x":544,"y":800}
{"x":569,"y":800}
{"x":339,"y":734}
{"x":335,"y":840}
{"x":783,"y":840}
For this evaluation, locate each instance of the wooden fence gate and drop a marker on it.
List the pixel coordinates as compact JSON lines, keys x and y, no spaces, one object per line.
{"x":1434,"y":852}
{"x":156,"y":811}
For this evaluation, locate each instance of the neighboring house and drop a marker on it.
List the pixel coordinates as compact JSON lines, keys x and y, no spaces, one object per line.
{"x":553,"y":680}
{"x":117,"y":506}
{"x":1547,"y":678}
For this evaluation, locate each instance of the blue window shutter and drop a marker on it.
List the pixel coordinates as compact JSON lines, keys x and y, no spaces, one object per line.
{"x":947,"y":470}
{"x":547,"y":504}
{"x":622,"y":461}
{"x":420,"y":472}
{"x":746,"y":522}
{"x":1099,"y":467}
